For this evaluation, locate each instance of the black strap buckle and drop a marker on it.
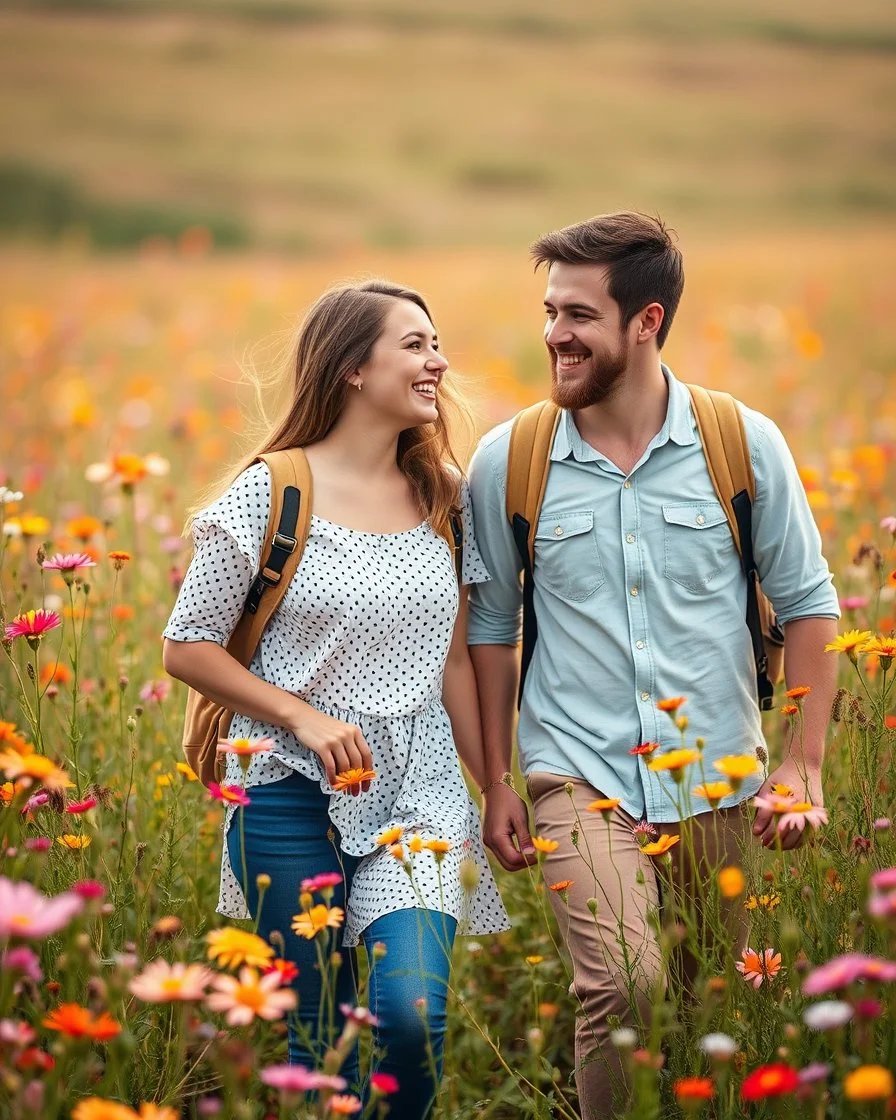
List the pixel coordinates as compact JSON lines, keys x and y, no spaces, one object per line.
{"x":288,"y":544}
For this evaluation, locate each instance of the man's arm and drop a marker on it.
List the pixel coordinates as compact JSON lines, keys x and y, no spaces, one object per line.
{"x":494,"y":634}
{"x":805,"y":663}
{"x":795,"y":576}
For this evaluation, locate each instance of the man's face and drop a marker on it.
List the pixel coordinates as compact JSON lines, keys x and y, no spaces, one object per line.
{"x":589,"y":351}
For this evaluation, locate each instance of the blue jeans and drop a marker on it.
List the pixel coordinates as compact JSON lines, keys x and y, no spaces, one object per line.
{"x":288,"y":835}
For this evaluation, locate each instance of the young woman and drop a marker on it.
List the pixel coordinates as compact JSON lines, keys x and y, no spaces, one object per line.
{"x":364,"y":664}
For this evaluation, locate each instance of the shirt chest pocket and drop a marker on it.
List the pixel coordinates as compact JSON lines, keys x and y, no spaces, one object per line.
{"x":567,"y":560}
{"x":698,"y":543}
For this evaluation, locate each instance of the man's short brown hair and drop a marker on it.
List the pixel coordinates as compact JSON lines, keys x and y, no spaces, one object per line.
{"x":643,"y":263}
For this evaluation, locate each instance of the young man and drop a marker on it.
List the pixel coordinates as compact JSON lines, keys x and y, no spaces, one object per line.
{"x":639,"y":596}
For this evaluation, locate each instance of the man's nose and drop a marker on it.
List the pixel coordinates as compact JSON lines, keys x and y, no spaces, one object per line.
{"x":556,"y":333}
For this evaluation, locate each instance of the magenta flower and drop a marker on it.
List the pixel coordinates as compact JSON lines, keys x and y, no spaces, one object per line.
{"x":326,"y":880}
{"x":26,"y":913}
{"x":384,"y":1083}
{"x":88,"y":889}
{"x":840,"y":972}
{"x":228,"y":794}
{"x":38,"y":844}
{"x":32,"y":625}
{"x":298,"y":1079}
{"x":884,"y":880}
{"x":882,"y":905}
{"x":360,"y":1015}
{"x":81,"y":806}
{"x":23,"y":960}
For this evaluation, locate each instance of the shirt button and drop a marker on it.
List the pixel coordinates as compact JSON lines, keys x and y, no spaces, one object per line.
{"x":639,"y":644}
{"x":634,"y":591}
{"x":630,"y":538}
{"x":627,"y":484}
{"x":700,"y":519}
{"x":645,"y":695}
{"x":558,"y":532}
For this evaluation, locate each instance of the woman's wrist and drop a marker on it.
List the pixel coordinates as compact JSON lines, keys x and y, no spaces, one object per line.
{"x":505,"y":779}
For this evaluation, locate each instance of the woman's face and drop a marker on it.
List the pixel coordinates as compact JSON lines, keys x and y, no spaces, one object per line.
{"x":401,"y":378}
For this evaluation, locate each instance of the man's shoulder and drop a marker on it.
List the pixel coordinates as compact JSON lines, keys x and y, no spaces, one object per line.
{"x":495,"y":443}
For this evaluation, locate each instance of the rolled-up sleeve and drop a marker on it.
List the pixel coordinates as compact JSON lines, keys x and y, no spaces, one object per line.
{"x":496,"y":606}
{"x":786,"y":543}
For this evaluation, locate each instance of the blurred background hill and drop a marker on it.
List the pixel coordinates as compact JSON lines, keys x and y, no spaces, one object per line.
{"x":315,"y":125}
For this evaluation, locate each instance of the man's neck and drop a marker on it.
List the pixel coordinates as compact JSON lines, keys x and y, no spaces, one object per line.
{"x":631,"y":416}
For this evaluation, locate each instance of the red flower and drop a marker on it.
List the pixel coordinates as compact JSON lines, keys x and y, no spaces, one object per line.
{"x":287,"y":970}
{"x":384,"y":1083}
{"x":644,"y":748}
{"x":773,"y":1080}
{"x":81,"y":806}
{"x":694,"y":1089}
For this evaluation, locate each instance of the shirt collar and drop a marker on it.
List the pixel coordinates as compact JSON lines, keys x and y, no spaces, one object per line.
{"x":679,"y":426}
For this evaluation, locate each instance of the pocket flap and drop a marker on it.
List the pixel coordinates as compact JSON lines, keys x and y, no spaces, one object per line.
{"x":563,"y":525}
{"x":696,"y":515}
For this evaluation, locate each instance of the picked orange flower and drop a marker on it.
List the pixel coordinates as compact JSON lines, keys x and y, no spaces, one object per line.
{"x":672,"y":705}
{"x":542,"y":844}
{"x":352,"y":780}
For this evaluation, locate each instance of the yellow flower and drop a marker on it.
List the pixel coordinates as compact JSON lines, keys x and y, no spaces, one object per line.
{"x":187,"y":770}
{"x":674,"y":761}
{"x":75,"y":843}
{"x":736,"y":767}
{"x":230,"y":947}
{"x":320,"y":917}
{"x":437,"y":847}
{"x":415,"y":844}
{"x":731,"y":882}
{"x":604,"y":805}
{"x":713,"y":791}
{"x":396,"y":851}
{"x":37,"y":767}
{"x":766,"y":901}
{"x":534,"y":959}
{"x":542,"y":845}
{"x":660,"y":847}
{"x":390,"y":836}
{"x":848,"y":643}
{"x":884,"y":648}
{"x":869,"y":1083}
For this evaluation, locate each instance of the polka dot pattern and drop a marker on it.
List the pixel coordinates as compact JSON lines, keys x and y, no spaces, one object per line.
{"x":362,"y":634}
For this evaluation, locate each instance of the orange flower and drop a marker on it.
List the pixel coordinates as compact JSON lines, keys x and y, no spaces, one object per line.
{"x":756,"y":967}
{"x":56,"y":673}
{"x":343,"y":1104}
{"x":736,"y":767}
{"x":77,"y":1022}
{"x":562,"y":886}
{"x":798,"y":693}
{"x":98,"y":1108}
{"x":83,"y":528}
{"x":689,"y":1089}
{"x":671,"y":705}
{"x":390,"y":836}
{"x":674,"y":761}
{"x":789,"y":709}
{"x":731,"y":882}
{"x":415,"y":844}
{"x":36,"y":767}
{"x":396,"y":851}
{"x":72,"y":842}
{"x":713,"y":791}
{"x":351,"y":780}
{"x":310,"y":923}
{"x":119,"y":558}
{"x":123,"y":612}
{"x":660,"y":847}
{"x":604,"y":805}
{"x":437,"y":847}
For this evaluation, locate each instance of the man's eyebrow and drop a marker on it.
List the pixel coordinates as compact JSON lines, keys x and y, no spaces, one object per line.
{"x":587,"y":308}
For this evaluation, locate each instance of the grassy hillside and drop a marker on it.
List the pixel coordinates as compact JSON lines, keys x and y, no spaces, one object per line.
{"x":359,"y":123}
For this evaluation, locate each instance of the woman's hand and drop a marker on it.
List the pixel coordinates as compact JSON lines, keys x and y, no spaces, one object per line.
{"x":340,"y":746}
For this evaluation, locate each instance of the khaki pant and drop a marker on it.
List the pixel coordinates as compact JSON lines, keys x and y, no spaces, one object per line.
{"x":617,"y":961}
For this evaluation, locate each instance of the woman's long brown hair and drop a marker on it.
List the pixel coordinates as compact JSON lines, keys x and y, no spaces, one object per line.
{"x":337,"y":336}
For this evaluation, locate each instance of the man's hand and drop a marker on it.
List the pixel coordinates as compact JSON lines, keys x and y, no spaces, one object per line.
{"x":506,"y":817}
{"x":805,"y":782}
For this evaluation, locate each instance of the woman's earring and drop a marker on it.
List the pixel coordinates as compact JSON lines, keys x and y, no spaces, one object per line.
{"x":360,"y":385}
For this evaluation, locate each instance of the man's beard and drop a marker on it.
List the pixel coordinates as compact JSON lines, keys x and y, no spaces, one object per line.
{"x":606,"y":370}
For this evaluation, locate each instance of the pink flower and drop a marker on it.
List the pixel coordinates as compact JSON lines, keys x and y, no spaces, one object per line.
{"x":161,"y":982}
{"x":840,"y":972}
{"x":326,"y":880}
{"x":298,"y":1079}
{"x":882,"y":905}
{"x":32,"y":625}
{"x":250,"y":996}
{"x":36,"y":801}
{"x":69,"y":562}
{"x":884,"y":880}
{"x":244,"y":748}
{"x":228,"y":794}
{"x":81,"y":806}
{"x":22,"y":959}
{"x":154,"y":692}
{"x":801,"y":814}
{"x":882,"y":824}
{"x":15,"y":1032}
{"x":38,"y":844}
{"x":854,"y":602}
{"x":360,"y":1015}
{"x":384,"y":1083}
{"x":88,"y":889}
{"x":26,"y":913}
{"x":889,"y":523}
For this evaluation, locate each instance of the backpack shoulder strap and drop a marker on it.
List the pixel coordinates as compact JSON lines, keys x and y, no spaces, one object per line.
{"x":457,"y":548}
{"x":289,"y":523}
{"x":528,"y":463}
{"x":721,"y":429}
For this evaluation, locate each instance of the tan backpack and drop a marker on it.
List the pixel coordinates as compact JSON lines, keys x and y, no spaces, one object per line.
{"x":721,"y":428}
{"x":206,"y":722}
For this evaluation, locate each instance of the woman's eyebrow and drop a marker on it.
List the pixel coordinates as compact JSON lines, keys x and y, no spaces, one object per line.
{"x":419,"y":334}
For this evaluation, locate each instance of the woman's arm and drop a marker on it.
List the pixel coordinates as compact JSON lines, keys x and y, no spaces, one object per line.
{"x":461,"y":698}
{"x":209,"y":669}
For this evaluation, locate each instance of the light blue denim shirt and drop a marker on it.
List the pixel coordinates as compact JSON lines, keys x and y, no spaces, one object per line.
{"x":640,"y":596}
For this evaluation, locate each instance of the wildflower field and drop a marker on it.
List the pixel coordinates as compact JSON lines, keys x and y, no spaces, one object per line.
{"x":122,"y":994}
